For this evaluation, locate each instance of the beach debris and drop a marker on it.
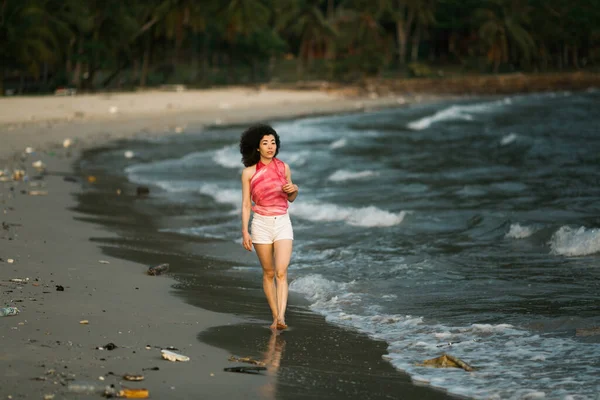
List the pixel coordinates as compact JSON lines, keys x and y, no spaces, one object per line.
{"x":91,"y":179}
{"x":38,"y":193}
{"x":151,"y":369}
{"x":78,"y":114}
{"x":246,"y":370}
{"x":18,"y":175}
{"x":172,"y":356}
{"x":67,"y":143}
{"x":126,"y":393}
{"x":103,"y":262}
{"x":60,"y":288}
{"x":9,"y":311}
{"x":446,"y":361}
{"x":587,"y":331}
{"x":49,"y":396}
{"x":29,"y":150}
{"x":179,"y":129}
{"x":142,"y":190}
{"x":65,"y":91}
{"x":10,"y":261}
{"x":108,"y":346}
{"x":70,"y":179}
{"x":86,"y":388}
{"x":158,"y":269}
{"x":17,"y":280}
{"x":113,"y":109}
{"x":128,"y":154}
{"x":84,"y":322}
{"x":246,"y":360}
{"x":133,"y":377}
{"x":39,"y":165}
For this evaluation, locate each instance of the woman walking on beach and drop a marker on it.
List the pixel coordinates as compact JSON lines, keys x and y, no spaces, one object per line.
{"x":267,"y":189}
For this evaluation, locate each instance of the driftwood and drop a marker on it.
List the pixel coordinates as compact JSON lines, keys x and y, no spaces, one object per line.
{"x":446,"y":361}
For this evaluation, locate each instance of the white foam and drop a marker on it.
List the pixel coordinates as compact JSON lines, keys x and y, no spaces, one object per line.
{"x":366,"y":216}
{"x":343,"y":175}
{"x":457,"y":112}
{"x":516,"y":231}
{"x":338,"y":144}
{"x":508,"y":139}
{"x":228,"y":157}
{"x":575,"y":242}
{"x":510,"y":363}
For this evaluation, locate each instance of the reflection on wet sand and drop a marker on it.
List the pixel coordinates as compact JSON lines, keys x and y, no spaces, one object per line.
{"x":272,"y":358}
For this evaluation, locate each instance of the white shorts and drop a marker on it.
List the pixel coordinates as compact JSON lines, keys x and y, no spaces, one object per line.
{"x":267,"y":230}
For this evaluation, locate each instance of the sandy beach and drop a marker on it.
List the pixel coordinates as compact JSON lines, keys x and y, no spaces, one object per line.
{"x":75,"y":298}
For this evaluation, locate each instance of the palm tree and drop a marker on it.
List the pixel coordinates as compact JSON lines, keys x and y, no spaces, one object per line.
{"x":313,"y":29}
{"x":425,"y":17}
{"x":362,"y":37}
{"x":26,"y":40}
{"x":503,"y":23}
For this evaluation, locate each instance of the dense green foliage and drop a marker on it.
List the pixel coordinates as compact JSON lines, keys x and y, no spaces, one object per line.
{"x":100,"y":44}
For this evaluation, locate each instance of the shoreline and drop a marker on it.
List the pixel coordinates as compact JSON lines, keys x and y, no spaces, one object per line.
{"x":53,"y":243}
{"x":74,"y":299}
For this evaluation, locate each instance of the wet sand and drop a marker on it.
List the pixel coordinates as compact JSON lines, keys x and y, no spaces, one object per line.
{"x":82,"y":258}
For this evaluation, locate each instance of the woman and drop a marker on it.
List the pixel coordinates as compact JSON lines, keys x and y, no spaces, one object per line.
{"x":267,"y":182}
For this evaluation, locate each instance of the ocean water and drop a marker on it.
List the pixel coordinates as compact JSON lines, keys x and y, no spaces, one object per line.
{"x":469,"y":227}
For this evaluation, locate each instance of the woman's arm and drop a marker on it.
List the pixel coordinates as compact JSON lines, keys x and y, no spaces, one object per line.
{"x":246,"y":208}
{"x":290,"y":188}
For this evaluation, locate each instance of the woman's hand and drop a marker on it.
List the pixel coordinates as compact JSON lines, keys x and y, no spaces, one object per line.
{"x":289,"y":188}
{"x":247,"y":241}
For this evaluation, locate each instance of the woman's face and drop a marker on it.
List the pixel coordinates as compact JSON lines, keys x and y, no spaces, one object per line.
{"x":267,"y":147}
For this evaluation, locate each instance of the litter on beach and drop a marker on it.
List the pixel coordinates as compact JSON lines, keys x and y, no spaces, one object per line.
{"x":158,"y":269}
{"x":172,"y":356}
{"x":246,"y":360}
{"x":446,"y":361}
{"x":247,"y":370}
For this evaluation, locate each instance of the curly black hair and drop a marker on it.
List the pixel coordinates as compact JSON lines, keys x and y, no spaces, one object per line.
{"x":250,"y":142}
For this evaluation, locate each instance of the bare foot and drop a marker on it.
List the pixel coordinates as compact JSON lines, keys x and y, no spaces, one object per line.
{"x":274,"y":325}
{"x":281,"y":325}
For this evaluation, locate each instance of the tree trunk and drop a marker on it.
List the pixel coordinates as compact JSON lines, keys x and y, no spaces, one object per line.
{"x":2,"y":80}
{"x":76,"y":80}
{"x":575,"y":56}
{"x":566,"y":55}
{"x":416,"y":39}
{"x":195,"y":58}
{"x":271,"y":68}
{"x":21,"y":82}
{"x":403,"y":25}
{"x":205,"y":57}
{"x":146,"y":61}
{"x":401,"y":42}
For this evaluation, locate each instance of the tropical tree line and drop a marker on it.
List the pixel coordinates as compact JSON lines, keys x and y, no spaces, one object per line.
{"x":103,"y":44}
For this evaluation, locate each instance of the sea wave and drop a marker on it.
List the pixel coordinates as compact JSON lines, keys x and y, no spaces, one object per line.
{"x":508,"y":139}
{"x":343,"y":175}
{"x":575,"y":242}
{"x":457,"y":112}
{"x":516,"y":231}
{"x":370,"y":216}
{"x":496,"y":351}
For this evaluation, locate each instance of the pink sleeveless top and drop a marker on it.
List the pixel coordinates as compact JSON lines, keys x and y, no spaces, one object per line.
{"x":265,"y":189}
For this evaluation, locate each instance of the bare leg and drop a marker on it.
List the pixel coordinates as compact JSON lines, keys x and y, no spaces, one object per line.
{"x":283,"y":255}
{"x":265,"y":256}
